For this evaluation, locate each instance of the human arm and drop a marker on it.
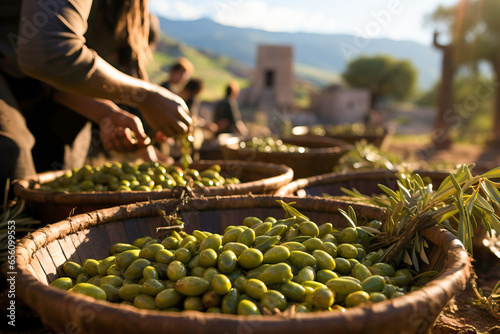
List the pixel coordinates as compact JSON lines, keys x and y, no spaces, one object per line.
{"x":241,"y":128}
{"x":56,"y":54}
{"x":115,"y":123}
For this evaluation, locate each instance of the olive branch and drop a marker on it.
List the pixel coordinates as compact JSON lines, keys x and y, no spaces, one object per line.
{"x":492,"y":302}
{"x":461,"y":202}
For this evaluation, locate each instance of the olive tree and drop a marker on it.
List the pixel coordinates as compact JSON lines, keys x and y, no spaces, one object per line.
{"x":383,"y":75}
{"x":474,"y":30}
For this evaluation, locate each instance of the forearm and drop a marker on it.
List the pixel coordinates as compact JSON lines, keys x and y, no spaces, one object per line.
{"x":56,"y":53}
{"x":108,"y":83}
{"x":241,"y":127}
{"x":93,"y":109}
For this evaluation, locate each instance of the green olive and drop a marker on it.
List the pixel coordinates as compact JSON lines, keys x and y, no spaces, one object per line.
{"x":145,"y":301}
{"x":221,"y":284}
{"x":356,"y":298}
{"x":153,"y":286}
{"x":322,"y":298}
{"x":167,"y":298}
{"x":64,"y":283}
{"x":246,"y":307}
{"x":72,"y":269}
{"x":192,"y":286}
{"x":230,"y":302}
{"x":273,"y":299}
{"x":89,"y":290}
{"x":347,"y":251}
{"x":211,"y":299}
{"x":227,"y":262}
{"x":250,"y":258}
{"x":348,"y":235}
{"x":255,"y":288}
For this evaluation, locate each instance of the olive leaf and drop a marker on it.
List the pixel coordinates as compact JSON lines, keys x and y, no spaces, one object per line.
{"x":388,"y":191}
{"x":348,"y":217}
{"x":291,"y":211}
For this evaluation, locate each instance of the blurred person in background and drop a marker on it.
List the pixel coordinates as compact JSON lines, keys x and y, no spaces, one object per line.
{"x":68,"y":61}
{"x":227,"y":114}
{"x":190,"y":94}
{"x":179,"y":74}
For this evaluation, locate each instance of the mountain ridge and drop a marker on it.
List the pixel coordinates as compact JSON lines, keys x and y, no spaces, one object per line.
{"x":322,"y":51}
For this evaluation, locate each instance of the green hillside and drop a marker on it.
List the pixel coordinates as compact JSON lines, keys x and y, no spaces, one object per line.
{"x":215,"y":71}
{"x":316,"y":75}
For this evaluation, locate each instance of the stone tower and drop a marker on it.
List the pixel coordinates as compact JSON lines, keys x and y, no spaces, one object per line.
{"x":272,"y":79}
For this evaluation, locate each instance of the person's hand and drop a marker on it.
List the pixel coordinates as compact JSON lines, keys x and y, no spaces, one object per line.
{"x":166,"y":112}
{"x":151,"y":153}
{"x":122,"y":131}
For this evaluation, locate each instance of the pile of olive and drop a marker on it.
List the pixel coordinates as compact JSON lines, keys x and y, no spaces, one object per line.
{"x":150,"y":176}
{"x":269,"y":144}
{"x":260,"y":267}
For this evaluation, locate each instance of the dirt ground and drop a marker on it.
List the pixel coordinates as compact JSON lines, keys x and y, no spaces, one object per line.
{"x":484,"y":158}
{"x":460,"y":315}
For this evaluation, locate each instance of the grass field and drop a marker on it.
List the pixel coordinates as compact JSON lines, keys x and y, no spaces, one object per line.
{"x":316,"y":75}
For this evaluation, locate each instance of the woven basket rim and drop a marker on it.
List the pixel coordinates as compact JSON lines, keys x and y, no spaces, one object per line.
{"x":338,"y":147}
{"x":386,"y":130}
{"x":23,"y":188}
{"x":450,"y":281}
{"x":337,"y":177}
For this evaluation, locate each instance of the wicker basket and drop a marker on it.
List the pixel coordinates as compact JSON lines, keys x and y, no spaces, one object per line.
{"x":40,"y":256}
{"x":256,"y":177}
{"x":322,"y":156}
{"x":377,"y":139}
{"x":210,"y":150}
{"x":366,"y":182}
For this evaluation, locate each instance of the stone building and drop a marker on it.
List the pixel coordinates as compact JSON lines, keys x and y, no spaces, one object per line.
{"x":337,"y":104}
{"x":272,"y":79}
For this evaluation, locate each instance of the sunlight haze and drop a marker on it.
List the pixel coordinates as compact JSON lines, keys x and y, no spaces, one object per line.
{"x":394,"y":19}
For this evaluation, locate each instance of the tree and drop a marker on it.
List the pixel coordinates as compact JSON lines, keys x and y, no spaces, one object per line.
{"x":383,"y":76}
{"x":474,"y":29}
{"x":441,"y":134}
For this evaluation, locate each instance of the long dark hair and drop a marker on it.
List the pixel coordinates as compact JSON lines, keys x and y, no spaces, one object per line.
{"x":129,"y":20}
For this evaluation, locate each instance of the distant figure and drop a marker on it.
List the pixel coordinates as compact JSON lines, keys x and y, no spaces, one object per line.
{"x":227,"y":112}
{"x":180,"y":73}
{"x":190,"y":94}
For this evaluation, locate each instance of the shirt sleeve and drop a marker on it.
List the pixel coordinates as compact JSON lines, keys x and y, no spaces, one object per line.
{"x":51,"y":44}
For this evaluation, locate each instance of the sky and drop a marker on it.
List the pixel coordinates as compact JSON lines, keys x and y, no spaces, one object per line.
{"x":395,"y":19}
